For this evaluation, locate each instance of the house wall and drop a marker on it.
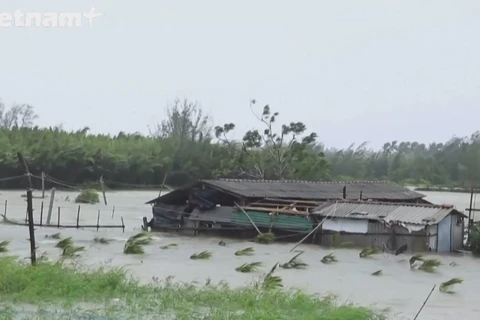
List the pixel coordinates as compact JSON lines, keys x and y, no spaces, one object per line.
{"x":378,"y":235}
{"x":432,"y":230}
{"x":457,"y":232}
{"x":444,"y":234}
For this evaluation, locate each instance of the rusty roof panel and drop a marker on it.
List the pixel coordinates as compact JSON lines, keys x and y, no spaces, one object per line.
{"x":311,"y":190}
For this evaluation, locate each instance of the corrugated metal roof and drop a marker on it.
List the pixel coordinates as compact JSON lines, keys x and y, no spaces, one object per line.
{"x":311,"y":190}
{"x":280,"y":221}
{"x":219,"y":214}
{"x":406,"y":213}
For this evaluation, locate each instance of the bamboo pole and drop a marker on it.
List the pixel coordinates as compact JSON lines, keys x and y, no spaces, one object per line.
{"x":43,"y":185}
{"x":31,"y":229}
{"x":102,"y":185}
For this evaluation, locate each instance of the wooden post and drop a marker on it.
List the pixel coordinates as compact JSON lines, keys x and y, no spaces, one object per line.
{"x":26,"y":215}
{"x":102,"y":185}
{"x":78,"y":216}
{"x":123,"y":226}
{"x":41,"y":214}
{"x":6,"y":204}
{"x":50,"y":207}
{"x":22,"y":161}
{"x":469,"y":215}
{"x":43,"y":186}
{"x":163,"y":184}
{"x":98,"y":220}
{"x":253,"y":223}
{"x":58,"y":218}
{"x":113,"y":212}
{"x":31,"y":229}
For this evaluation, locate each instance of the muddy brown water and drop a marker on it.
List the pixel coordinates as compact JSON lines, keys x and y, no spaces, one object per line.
{"x":398,"y":288}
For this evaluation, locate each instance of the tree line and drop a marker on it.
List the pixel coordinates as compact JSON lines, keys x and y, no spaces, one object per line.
{"x":186,"y":146}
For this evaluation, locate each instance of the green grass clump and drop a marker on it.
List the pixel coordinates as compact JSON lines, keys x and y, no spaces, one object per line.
{"x":89,"y":196}
{"x":134,"y":244}
{"x":249,"y":267}
{"x":245,"y":252}
{"x":265,"y":238}
{"x":53,"y":283}
{"x":4,"y":246}
{"x":201,"y":256}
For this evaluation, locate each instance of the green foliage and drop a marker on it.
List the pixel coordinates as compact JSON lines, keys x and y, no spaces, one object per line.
{"x":4,"y":246}
{"x":445,"y":287}
{"x":368,"y":252}
{"x":430,"y":265}
{"x":88,"y":196}
{"x":294,"y":263}
{"x":201,"y":256}
{"x":475,"y":238}
{"x":21,"y":283}
{"x":71,"y":251}
{"x":245,"y":252}
{"x":183,"y":147}
{"x":271,"y":281}
{"x":248,"y":267}
{"x":265,"y":238}
{"x":135,"y":243}
{"x":64,"y":243}
{"x":414,"y":259}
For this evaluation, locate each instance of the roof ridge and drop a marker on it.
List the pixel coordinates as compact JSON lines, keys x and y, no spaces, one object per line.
{"x":302,"y":181}
{"x":397,"y":204}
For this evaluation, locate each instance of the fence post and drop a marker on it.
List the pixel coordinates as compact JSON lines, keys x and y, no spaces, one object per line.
{"x":6,"y":203}
{"x":113,"y":212}
{"x":58,"y":218}
{"x":31,"y":229}
{"x":98,"y":220}
{"x":50,"y":208}
{"x":78,"y":216}
{"x":41,"y":214}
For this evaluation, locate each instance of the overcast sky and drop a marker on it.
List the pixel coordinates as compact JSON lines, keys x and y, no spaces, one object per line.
{"x":352,"y":71}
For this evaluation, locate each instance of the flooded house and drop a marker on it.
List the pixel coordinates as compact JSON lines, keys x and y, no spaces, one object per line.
{"x":233,"y":207}
{"x":421,"y":227}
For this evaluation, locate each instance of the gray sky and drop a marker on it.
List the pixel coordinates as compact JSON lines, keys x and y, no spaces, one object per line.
{"x":352,"y":71}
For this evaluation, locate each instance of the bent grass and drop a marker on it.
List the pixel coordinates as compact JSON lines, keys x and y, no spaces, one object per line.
{"x":134,"y":244}
{"x":4,"y":246}
{"x":294,"y":263}
{"x":249,"y":267}
{"x":245,"y":252}
{"x":22,"y":283}
{"x":201,"y":256}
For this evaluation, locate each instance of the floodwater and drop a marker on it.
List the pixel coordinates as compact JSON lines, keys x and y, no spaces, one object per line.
{"x":398,"y":288}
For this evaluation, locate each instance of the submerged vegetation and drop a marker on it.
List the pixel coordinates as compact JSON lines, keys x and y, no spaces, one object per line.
{"x":294,"y":263}
{"x":4,"y":246}
{"x":245,"y":252}
{"x":135,"y":244}
{"x":62,"y":244}
{"x":249,"y":267}
{"x":201,"y":256}
{"x":89,"y":196}
{"x":188,"y":146}
{"x":22,"y":283}
{"x":446,"y":287}
{"x":368,"y":252}
{"x":265,"y":238}
{"x":169,"y":246}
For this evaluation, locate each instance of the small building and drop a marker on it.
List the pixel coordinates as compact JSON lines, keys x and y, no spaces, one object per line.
{"x":282,"y":206}
{"x":422,"y":227}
